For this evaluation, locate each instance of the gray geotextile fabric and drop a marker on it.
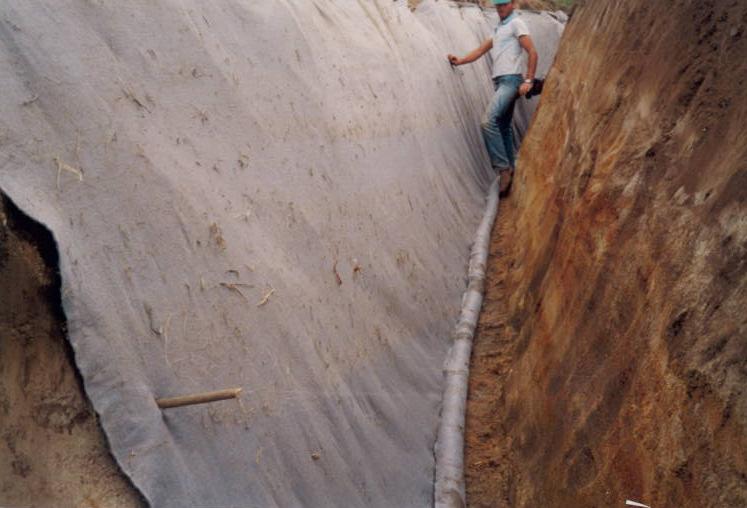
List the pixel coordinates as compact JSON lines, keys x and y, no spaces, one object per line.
{"x":275,"y":195}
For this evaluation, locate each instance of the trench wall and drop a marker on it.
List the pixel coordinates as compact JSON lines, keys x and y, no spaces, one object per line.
{"x":629,"y":285}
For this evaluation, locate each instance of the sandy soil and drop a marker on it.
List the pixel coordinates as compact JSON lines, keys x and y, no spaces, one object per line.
{"x":487,"y":472}
{"x":611,"y":360}
{"x":52,"y":451}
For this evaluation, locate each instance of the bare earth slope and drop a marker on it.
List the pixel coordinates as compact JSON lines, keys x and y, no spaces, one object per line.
{"x":617,"y":331}
{"x":52,"y":450}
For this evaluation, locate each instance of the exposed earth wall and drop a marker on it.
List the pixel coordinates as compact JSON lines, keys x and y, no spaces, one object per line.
{"x":626,"y":288}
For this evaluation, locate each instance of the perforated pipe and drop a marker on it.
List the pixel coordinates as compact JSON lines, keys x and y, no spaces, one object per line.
{"x":449,"y":448}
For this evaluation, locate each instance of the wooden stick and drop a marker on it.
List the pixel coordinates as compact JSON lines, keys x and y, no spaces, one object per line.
{"x":198,"y":398}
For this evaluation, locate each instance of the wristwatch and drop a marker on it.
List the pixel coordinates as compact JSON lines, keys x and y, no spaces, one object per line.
{"x":529,"y":81}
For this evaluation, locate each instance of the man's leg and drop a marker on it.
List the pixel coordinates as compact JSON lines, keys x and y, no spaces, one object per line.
{"x":496,"y":127}
{"x":499,"y":109}
{"x":505,"y":127}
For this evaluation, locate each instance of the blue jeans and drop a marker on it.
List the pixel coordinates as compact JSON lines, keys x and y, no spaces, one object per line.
{"x":497,"y":130}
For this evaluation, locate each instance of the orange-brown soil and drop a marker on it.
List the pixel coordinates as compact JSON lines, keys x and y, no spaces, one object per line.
{"x":611,"y":357}
{"x":488,"y":477}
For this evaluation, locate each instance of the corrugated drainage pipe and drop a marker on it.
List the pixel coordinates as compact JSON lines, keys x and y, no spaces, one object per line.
{"x":449,"y":448}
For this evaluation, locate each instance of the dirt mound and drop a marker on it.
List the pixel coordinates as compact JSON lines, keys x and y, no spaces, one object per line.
{"x":618,"y":330}
{"x":52,"y":451}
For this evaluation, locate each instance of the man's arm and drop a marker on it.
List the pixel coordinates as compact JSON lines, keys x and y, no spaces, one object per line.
{"x":473,"y":55}
{"x":526,"y":42}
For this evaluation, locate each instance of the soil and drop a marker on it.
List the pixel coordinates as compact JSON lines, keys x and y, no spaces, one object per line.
{"x":52,"y":450}
{"x":488,"y":477}
{"x":611,"y":356}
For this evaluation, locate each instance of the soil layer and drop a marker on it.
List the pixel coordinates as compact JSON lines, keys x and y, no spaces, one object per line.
{"x":611,"y":359}
{"x":52,"y":450}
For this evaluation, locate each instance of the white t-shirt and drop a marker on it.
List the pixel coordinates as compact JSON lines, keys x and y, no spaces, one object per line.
{"x":507,"y":55}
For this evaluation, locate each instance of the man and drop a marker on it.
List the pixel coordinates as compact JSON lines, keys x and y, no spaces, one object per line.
{"x":510,"y":37}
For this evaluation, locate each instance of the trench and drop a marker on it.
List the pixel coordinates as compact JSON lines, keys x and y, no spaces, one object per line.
{"x":42,"y":402}
{"x":609,"y":358}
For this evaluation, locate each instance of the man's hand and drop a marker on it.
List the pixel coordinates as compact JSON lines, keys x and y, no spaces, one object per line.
{"x":473,"y":55}
{"x":524,"y":89}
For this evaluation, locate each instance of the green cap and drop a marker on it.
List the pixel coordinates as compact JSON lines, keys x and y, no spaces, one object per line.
{"x":501,"y":2}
